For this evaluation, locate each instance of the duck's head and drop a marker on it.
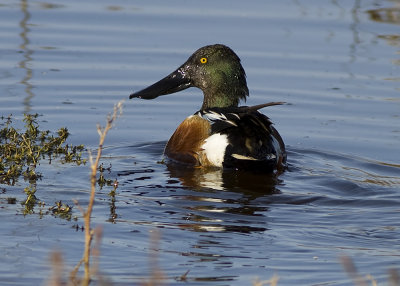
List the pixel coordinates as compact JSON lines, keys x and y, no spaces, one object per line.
{"x":215,"y":69}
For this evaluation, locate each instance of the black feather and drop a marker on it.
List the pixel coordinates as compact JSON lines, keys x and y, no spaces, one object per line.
{"x":250,"y":136}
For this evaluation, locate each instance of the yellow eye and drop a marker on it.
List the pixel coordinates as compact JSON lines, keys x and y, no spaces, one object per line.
{"x":203,"y":60}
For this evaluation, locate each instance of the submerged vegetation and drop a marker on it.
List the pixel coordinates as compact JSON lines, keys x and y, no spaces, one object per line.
{"x":21,"y":152}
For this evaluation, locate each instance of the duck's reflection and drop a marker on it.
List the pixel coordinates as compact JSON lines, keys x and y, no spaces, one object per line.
{"x":230,"y":180}
{"x":224,"y":200}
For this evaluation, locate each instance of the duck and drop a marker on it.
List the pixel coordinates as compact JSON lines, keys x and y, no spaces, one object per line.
{"x":221,"y":134}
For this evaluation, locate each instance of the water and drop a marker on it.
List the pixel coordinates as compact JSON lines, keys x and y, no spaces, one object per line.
{"x":335,"y":62}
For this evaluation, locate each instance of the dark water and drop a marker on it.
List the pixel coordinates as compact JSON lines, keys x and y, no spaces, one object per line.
{"x":335,"y":62}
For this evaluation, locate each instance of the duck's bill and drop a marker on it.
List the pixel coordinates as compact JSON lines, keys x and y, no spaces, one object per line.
{"x":174,"y":82}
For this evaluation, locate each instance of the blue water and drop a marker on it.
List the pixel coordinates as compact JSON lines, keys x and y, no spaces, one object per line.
{"x":335,"y":62}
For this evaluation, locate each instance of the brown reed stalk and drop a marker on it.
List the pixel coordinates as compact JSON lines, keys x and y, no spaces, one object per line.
{"x":157,"y":277}
{"x":57,"y":267}
{"x":351,"y":270}
{"x":272,"y":282}
{"x":94,"y":164}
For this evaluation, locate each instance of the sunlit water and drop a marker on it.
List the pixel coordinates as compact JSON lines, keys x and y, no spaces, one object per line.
{"x":335,"y":62}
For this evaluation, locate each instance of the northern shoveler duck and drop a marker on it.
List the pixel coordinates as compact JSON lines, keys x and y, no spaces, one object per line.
{"x":220,"y":134}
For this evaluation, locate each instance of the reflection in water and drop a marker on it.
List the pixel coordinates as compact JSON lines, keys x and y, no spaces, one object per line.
{"x":24,"y":63}
{"x":218,"y":203}
{"x":354,"y":29}
{"x":229,"y":180}
{"x":385,"y":15}
{"x":224,"y":200}
{"x":389,"y":16}
{"x":199,"y":199}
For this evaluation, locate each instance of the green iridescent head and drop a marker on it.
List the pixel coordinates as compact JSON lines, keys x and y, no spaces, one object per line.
{"x":215,"y":69}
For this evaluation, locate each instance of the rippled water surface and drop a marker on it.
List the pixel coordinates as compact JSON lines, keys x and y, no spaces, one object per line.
{"x":335,"y":62}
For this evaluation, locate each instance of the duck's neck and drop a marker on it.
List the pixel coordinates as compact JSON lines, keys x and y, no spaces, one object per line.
{"x":225,"y":89}
{"x":219,"y":100}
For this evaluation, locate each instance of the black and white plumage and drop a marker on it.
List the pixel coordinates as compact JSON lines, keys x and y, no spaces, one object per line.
{"x":242,"y":138}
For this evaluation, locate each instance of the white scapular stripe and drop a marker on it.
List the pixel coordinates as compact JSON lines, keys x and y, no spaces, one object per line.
{"x":242,"y":157}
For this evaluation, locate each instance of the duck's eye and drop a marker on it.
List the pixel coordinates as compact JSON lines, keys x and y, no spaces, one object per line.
{"x":203,"y":60}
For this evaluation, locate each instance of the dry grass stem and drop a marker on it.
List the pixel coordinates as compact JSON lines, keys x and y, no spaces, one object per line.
{"x":156,"y":276}
{"x":98,"y":234}
{"x":57,"y":269}
{"x":183,"y":277}
{"x":94,"y":164}
{"x":351,"y":270}
{"x":394,"y":278}
{"x":372,"y":279}
{"x":272,"y":282}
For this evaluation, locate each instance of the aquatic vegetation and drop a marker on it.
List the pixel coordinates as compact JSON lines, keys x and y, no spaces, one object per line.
{"x":62,"y":210}
{"x":21,"y":151}
{"x":111,"y":194}
{"x":103,"y":181}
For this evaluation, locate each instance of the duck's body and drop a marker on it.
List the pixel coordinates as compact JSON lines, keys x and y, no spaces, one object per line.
{"x":220,"y":134}
{"x":227,"y":137}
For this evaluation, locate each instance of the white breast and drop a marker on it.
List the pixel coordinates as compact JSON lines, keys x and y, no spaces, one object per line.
{"x":214,"y":148}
